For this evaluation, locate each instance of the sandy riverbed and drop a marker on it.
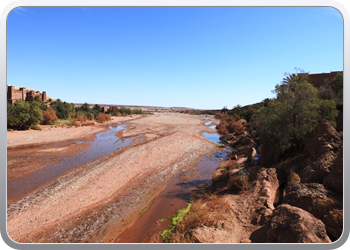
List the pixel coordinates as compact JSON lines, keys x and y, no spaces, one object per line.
{"x":94,"y":202}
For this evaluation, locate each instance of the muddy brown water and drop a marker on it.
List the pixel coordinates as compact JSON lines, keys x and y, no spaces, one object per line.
{"x":104,"y":143}
{"x":176,"y":195}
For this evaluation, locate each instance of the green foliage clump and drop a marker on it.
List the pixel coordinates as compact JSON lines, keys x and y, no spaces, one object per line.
{"x":180,"y":214}
{"x":22,"y":115}
{"x":63,"y":110}
{"x":294,"y":112}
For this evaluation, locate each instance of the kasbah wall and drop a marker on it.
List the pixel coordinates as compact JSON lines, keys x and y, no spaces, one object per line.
{"x":318,"y":79}
{"x":14,"y":93}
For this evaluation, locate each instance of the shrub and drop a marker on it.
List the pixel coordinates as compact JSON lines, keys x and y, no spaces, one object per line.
{"x":103,"y":118}
{"x":35,"y":127}
{"x":87,"y":123}
{"x":222,"y":127}
{"x":81,"y":117}
{"x":235,"y":127}
{"x":49,"y":116}
{"x":75,"y":123}
{"x":207,"y":211}
{"x":239,"y":182}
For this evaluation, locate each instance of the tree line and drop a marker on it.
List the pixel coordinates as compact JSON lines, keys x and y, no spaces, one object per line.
{"x":23,"y":115}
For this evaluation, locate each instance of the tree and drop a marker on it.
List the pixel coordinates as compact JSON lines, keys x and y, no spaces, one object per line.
{"x":23,"y":115}
{"x":294,"y":112}
{"x":85,"y":107}
{"x":63,"y":109}
{"x":224,"y":110}
{"x":97,"y":108}
{"x":12,"y":116}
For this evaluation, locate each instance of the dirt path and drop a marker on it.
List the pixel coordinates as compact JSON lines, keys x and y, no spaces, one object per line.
{"x":85,"y":204}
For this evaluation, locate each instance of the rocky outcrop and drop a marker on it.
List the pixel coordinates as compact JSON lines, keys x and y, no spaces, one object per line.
{"x":334,"y":223}
{"x":322,"y":144}
{"x":310,"y":211}
{"x":270,"y":152}
{"x":317,"y":170}
{"x":312,"y":197}
{"x":291,"y":224}
{"x":334,"y":181}
{"x":322,"y":139}
{"x":247,"y":148}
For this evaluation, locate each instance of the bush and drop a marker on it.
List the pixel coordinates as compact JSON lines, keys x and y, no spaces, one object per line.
{"x":239,"y":182}
{"x":22,"y":115}
{"x":207,"y":211}
{"x":103,"y":118}
{"x":235,"y":127}
{"x":87,"y":124}
{"x":35,"y":127}
{"x":75,"y":123}
{"x":81,"y":117}
{"x":49,"y":116}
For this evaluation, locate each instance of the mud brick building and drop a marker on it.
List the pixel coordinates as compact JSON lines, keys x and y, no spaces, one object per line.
{"x":318,"y":79}
{"x":15,"y":93}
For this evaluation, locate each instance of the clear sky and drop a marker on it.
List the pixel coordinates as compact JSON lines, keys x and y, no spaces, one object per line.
{"x":196,"y":57}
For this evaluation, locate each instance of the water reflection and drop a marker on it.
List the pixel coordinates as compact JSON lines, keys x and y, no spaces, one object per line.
{"x":213,"y":137}
{"x":104,"y":143}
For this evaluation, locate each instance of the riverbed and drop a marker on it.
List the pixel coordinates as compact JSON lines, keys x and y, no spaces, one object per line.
{"x":176,"y":194}
{"x":86,"y":203}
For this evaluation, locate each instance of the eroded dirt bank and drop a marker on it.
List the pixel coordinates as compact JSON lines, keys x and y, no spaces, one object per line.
{"x":85,"y":204}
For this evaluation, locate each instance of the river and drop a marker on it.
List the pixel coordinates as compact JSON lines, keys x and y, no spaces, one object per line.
{"x":176,"y":194}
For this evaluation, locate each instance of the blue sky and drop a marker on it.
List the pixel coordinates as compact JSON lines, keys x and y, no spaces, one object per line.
{"x":195,"y":57}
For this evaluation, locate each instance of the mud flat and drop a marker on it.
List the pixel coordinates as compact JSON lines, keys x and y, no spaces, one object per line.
{"x":89,"y":202}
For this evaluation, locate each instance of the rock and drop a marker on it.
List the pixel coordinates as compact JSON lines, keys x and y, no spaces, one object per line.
{"x":226,"y":138}
{"x":334,"y":223}
{"x":312,"y":197}
{"x":270,"y":152}
{"x":294,"y":225}
{"x":318,"y":170}
{"x":322,"y":139}
{"x":334,"y":181}
{"x":244,"y":141}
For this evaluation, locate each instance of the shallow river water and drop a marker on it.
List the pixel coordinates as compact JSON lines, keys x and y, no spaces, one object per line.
{"x":176,"y":194}
{"x":104,"y":143}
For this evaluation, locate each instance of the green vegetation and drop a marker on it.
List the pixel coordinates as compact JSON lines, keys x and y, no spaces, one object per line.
{"x":294,"y":112}
{"x":127,"y":111}
{"x":208,"y":210}
{"x":291,"y":115}
{"x":180,"y":214}
{"x":22,"y":115}
{"x":63,"y":110}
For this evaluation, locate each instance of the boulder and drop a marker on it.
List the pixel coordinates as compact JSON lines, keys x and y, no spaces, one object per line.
{"x":244,"y":141}
{"x":312,"y":197}
{"x":291,"y":224}
{"x":322,"y":139}
{"x":334,"y":181}
{"x":317,"y":170}
{"x":334,"y":223}
{"x":270,"y":152}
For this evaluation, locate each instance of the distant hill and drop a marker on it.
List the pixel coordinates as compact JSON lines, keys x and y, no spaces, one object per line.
{"x":144,"y":108}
